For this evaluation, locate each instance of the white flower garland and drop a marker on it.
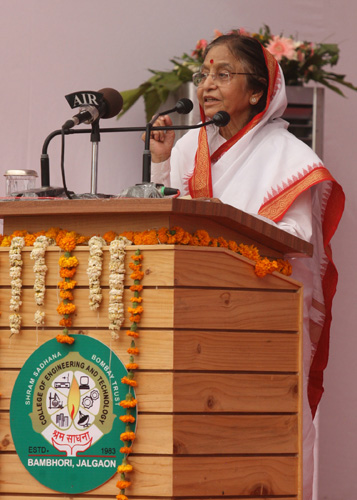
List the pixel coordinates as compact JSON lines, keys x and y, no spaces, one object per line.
{"x":116,"y":284}
{"x":94,"y":271}
{"x":40,"y":269}
{"x":16,"y":262}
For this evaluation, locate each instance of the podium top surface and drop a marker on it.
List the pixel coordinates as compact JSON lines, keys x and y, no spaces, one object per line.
{"x":249,"y":225}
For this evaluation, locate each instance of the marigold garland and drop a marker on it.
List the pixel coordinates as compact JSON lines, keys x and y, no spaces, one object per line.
{"x":130,"y":402}
{"x":68,"y":263}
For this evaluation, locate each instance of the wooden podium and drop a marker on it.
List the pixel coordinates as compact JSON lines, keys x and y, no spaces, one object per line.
{"x":219,"y":384}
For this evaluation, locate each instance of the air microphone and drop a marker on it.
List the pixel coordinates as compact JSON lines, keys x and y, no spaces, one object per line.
{"x":109,"y":105}
{"x":220,"y":119}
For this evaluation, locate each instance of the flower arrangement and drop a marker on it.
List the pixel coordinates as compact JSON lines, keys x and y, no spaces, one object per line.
{"x":301,"y":62}
{"x":16,"y":262}
{"x":130,"y":402}
{"x":40,"y":269}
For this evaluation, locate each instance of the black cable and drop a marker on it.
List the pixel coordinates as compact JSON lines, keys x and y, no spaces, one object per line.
{"x":62,"y":165}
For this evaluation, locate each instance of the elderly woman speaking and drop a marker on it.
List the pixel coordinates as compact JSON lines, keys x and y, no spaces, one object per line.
{"x":256,"y":165}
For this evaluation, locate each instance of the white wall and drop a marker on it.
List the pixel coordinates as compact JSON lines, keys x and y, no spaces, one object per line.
{"x":49,"y":48}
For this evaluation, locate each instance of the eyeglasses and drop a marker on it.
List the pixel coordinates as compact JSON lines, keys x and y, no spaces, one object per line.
{"x":221,"y":78}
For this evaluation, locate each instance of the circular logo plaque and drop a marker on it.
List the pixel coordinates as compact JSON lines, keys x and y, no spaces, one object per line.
{"x":64,"y":414}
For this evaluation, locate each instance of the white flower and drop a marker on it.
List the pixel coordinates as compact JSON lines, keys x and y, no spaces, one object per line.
{"x":94,"y":271}
{"x":17,"y":244}
{"x":116,"y":284}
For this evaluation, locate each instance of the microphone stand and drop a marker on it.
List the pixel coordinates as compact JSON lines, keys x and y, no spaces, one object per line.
{"x":47,"y":190}
{"x":95,"y":139}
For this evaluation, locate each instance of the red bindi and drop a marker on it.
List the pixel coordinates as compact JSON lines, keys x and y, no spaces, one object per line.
{"x":211,"y":61}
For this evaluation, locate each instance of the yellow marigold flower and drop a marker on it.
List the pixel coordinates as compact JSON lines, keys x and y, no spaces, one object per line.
{"x":129,"y":381}
{"x":64,"y":339}
{"x":122,"y":485}
{"x":125,"y":468}
{"x":127,"y":419}
{"x":68,"y":262}
{"x":127,"y":436}
{"x":6,"y":241}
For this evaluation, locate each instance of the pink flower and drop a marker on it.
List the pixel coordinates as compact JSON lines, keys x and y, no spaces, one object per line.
{"x":281,"y":47}
{"x":217,"y":33}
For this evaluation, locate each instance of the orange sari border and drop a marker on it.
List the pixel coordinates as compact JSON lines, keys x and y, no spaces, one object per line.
{"x":278,"y":204}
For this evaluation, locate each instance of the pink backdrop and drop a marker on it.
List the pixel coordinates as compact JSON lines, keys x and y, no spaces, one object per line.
{"x":51,"y":48}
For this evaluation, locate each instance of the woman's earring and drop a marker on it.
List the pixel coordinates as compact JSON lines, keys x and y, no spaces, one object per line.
{"x":253,"y":100}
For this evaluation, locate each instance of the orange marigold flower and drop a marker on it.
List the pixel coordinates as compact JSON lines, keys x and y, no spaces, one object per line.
{"x":136,"y":299}
{"x":29,"y":240}
{"x":132,"y":366}
{"x":131,"y":403}
{"x":130,"y":333}
{"x":135,"y":267}
{"x":251,"y":252}
{"x":66,"y":308}
{"x":128,"y":234}
{"x":67,"y":242}
{"x":127,"y":436}
{"x":109,"y":236}
{"x":52,"y":232}
{"x":203,"y":237}
{"x":127,"y":419}
{"x":82,"y":240}
{"x":162,"y":235}
{"x":136,"y":288}
{"x":133,"y":350}
{"x":121,"y":497}
{"x":129,"y":381}
{"x":64,"y":339}
{"x":135,"y":319}
{"x":137,"y":275}
{"x":137,"y":257}
{"x":67,"y":273}
{"x":66,"y":322}
{"x":222,"y":242}
{"x":264,"y":267}
{"x":122,"y":485}
{"x":66,"y":294}
{"x":232,"y":245}
{"x":66,"y":285}
{"x":136,"y":310}
{"x":284,"y":267}
{"x":126,"y":449}
{"x":22,"y":233}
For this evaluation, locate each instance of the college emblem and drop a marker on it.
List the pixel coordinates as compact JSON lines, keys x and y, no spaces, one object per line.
{"x":64,"y":414}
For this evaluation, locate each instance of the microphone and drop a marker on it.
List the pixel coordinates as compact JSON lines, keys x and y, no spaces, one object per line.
{"x":221,"y":119}
{"x":110,"y":105}
{"x":183,"y":107}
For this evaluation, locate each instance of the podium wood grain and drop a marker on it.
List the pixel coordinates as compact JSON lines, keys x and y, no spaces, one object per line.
{"x":219,"y":388}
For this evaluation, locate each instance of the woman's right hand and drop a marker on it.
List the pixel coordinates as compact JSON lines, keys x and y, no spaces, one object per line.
{"x":161,"y":141}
